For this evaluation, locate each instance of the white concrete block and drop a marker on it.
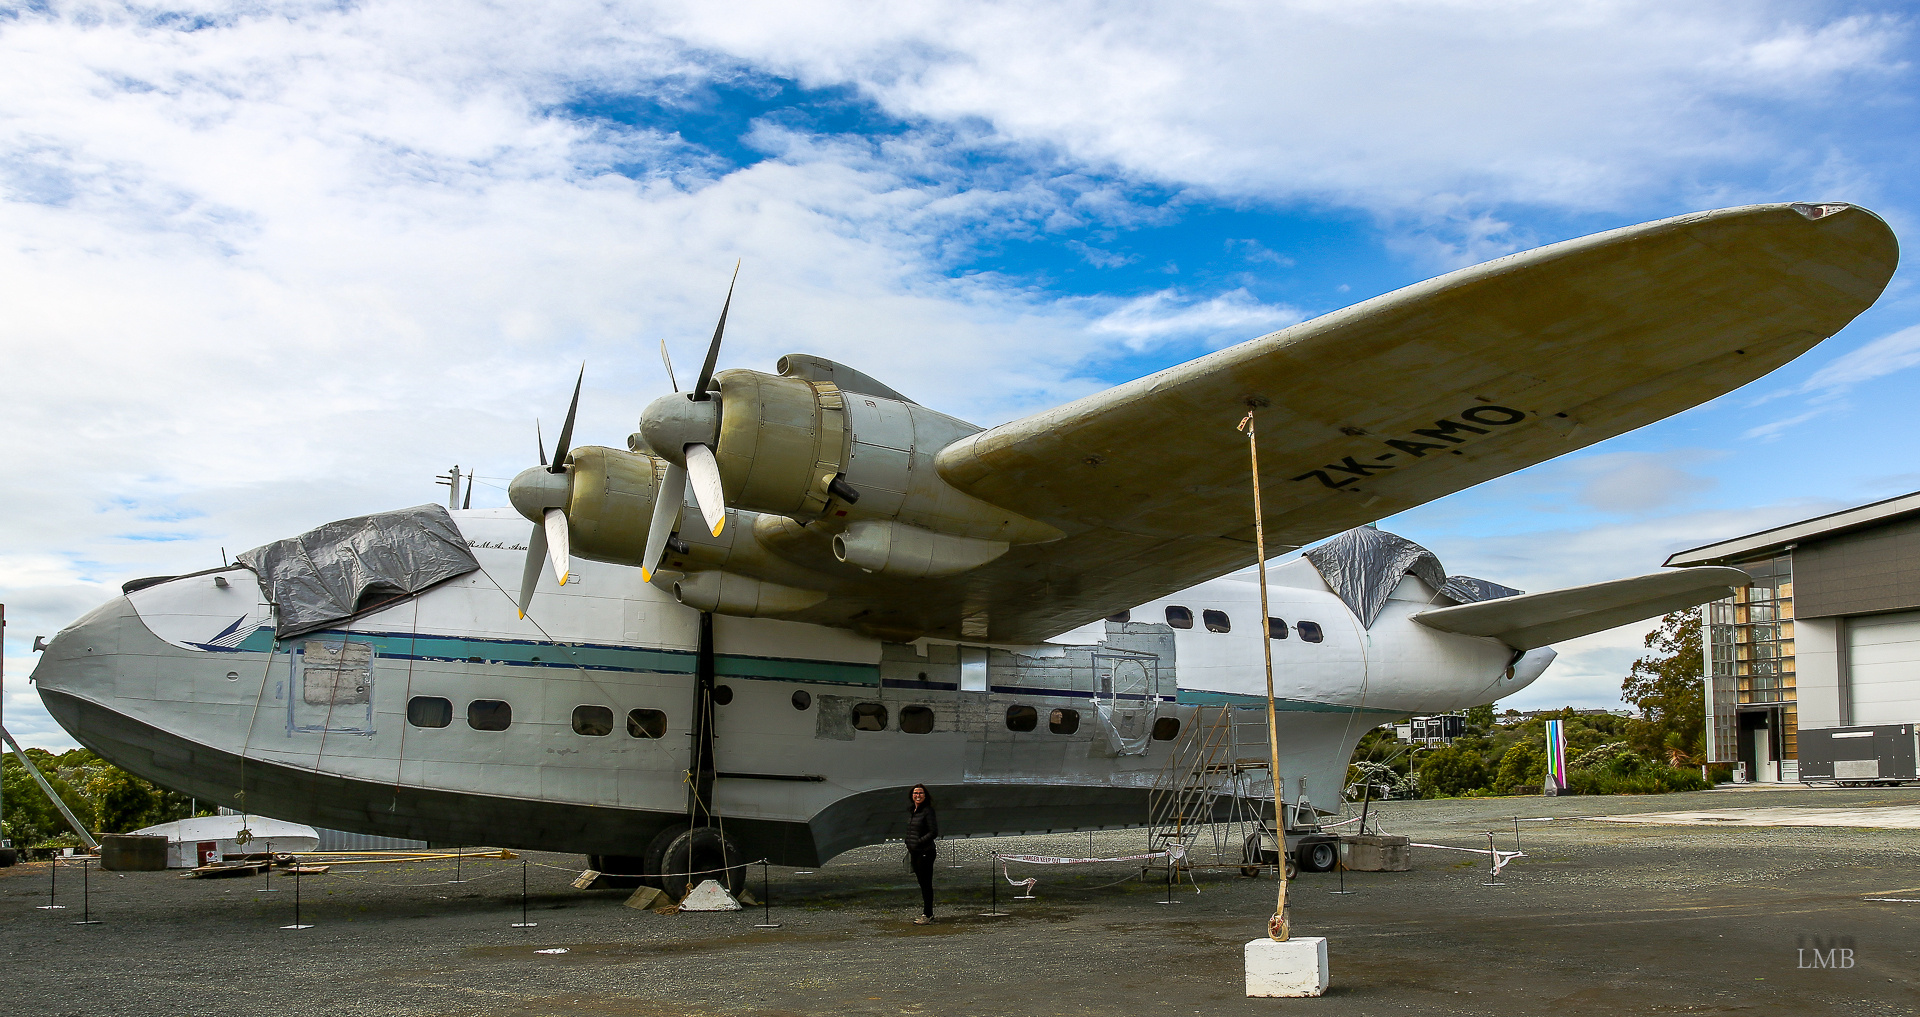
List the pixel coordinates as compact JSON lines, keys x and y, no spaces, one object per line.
{"x":1297,"y":967}
{"x":709,"y":896}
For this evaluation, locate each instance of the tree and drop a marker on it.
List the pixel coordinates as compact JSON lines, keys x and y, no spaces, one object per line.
{"x":1453,"y":771}
{"x":1668,"y":685}
{"x":1523,"y":765}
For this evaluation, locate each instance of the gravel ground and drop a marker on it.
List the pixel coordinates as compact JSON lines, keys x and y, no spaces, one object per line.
{"x":1598,"y":919}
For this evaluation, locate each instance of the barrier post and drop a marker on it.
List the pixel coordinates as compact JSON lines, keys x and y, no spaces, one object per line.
{"x":53,"y":886}
{"x":523,"y":923}
{"x":766,"y":915}
{"x":269,"y":887}
{"x":296,"y":902}
{"x":993,"y":887}
{"x":86,"y":897}
{"x":1493,"y":862}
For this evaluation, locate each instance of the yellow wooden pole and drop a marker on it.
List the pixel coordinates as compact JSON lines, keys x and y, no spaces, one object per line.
{"x":1277,"y":925}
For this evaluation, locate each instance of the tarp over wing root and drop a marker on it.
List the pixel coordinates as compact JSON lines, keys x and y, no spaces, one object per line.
{"x":333,"y":572}
{"x":1364,"y":564}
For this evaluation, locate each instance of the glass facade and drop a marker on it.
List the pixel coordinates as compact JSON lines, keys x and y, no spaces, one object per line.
{"x":1748,"y":650}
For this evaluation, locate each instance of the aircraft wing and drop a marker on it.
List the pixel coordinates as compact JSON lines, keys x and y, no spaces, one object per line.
{"x":1389,"y":404}
{"x":1538,"y":619}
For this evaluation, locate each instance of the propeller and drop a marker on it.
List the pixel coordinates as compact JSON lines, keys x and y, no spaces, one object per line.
{"x":540,"y":493}
{"x":682,"y":429}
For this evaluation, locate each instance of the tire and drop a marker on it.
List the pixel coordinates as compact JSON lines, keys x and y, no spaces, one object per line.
{"x":1318,"y":856}
{"x":699,"y":850}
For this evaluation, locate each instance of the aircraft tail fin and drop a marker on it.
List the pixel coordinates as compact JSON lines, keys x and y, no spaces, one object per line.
{"x":1537,"y":619}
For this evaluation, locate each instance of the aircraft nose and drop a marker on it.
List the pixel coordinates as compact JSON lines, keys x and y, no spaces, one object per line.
{"x":83,"y":657}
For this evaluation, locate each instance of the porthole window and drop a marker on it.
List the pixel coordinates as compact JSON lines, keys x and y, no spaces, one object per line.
{"x":869,"y":717}
{"x":1309,"y":631}
{"x":1120,"y":617}
{"x":1022,"y":718}
{"x":802,"y":699}
{"x":429,"y":711}
{"x":1276,"y":628}
{"x":1063,"y":721}
{"x":1216,"y":621}
{"x":489,"y":715}
{"x":592,"y":721}
{"x":1179,"y":617}
{"x":916,"y":719}
{"x":722,"y":694}
{"x":646,"y":724}
{"x":1166,"y":729}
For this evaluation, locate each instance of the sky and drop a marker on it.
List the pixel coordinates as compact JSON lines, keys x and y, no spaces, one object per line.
{"x":268,"y":264}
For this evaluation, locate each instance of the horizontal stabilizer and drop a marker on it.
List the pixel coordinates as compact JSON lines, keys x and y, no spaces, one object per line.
{"x":1537,"y":619}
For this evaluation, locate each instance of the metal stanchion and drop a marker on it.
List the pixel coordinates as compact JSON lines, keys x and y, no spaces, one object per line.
{"x":53,"y":885}
{"x":1342,"y":865}
{"x":523,"y":923}
{"x":1493,"y":863}
{"x":459,"y":855}
{"x":993,"y":884}
{"x":1169,"y":898}
{"x":766,"y":916}
{"x":86,"y":899}
{"x":269,"y":887}
{"x":296,"y":902}
{"x":1516,"y":833}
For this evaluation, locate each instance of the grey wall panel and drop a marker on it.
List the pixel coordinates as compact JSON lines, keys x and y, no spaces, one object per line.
{"x":1859,"y":573}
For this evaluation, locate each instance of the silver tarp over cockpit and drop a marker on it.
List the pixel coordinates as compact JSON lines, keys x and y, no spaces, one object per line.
{"x":333,"y":572}
{"x":1363,"y":565}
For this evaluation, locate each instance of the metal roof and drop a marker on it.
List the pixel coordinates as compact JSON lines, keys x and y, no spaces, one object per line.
{"x":1768,"y":542}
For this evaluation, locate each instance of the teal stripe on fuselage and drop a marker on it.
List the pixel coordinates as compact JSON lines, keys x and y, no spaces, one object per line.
{"x":587,"y":656}
{"x":1200,"y":697}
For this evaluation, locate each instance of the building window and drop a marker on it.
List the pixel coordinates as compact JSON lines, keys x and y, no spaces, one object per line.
{"x":489,"y":715}
{"x":1309,"y":631}
{"x":1063,"y":721}
{"x":647,"y":724}
{"x":802,"y":699}
{"x":1120,"y":617}
{"x":592,"y":721}
{"x":916,"y":720}
{"x":1216,"y":621}
{"x":1166,"y":729}
{"x":1179,"y":617}
{"x":1022,"y":718}
{"x":869,"y":717}
{"x":429,"y":711}
{"x":1276,"y":628}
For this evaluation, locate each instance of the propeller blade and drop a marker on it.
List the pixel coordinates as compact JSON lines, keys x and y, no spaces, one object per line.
{"x":666,"y":515}
{"x":703,"y":472}
{"x":566,"y":429}
{"x":539,"y":441}
{"x":530,"y":574}
{"x":555,"y":524}
{"x":713,"y":351}
{"x":668,"y":360}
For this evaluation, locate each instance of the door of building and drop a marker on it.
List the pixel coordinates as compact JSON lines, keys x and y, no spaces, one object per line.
{"x":1883,"y":668}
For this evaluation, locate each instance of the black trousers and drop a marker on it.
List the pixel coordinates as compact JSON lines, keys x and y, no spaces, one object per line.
{"x":923,"y":871}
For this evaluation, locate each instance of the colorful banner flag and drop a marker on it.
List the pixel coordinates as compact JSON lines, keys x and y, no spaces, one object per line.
{"x":1556,"y":757}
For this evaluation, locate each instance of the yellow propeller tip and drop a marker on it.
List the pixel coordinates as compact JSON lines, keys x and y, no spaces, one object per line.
{"x":563,"y":579}
{"x":646,"y":576}
{"x":717,"y":527}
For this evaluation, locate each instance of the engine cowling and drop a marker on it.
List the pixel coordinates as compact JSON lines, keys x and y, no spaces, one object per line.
{"x":726,"y":593}
{"x":610,"y":502}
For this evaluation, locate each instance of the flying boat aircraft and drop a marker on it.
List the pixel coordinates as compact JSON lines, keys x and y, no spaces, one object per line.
{"x":792,"y":595}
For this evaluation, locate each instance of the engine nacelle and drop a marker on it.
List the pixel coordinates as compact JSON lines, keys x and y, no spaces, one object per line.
{"x":782,"y":442}
{"x":610,"y":502}
{"x":726,"y":593}
{"x":909,"y":552}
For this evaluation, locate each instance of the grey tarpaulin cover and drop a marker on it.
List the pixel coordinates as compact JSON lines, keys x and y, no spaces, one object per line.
{"x":1468,"y":590}
{"x":329,"y":573}
{"x":1364,"y":564}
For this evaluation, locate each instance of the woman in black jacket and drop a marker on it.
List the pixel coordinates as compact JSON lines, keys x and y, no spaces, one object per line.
{"x":923,"y":830}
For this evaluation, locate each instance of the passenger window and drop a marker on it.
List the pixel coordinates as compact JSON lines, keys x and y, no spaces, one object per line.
{"x":1179,"y":617}
{"x":1309,"y":631}
{"x":916,"y":720}
{"x":1166,"y":729}
{"x":1022,"y":718}
{"x":646,"y":724}
{"x":802,"y":699}
{"x":489,"y":715}
{"x":1276,"y":628}
{"x":869,"y":717}
{"x":1216,"y":621}
{"x":1063,"y":721}
{"x":1120,"y":617}
{"x":592,"y":721}
{"x":429,"y":711}
{"x":722,"y":695}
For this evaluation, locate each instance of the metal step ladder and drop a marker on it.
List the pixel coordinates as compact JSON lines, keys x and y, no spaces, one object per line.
{"x":1213,"y":788}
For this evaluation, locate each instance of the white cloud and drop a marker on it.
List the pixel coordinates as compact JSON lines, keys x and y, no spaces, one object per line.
{"x":1883,"y":356}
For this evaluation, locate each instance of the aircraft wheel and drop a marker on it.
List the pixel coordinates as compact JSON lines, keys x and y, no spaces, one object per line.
{"x":1318,"y":856}
{"x":707,"y":853}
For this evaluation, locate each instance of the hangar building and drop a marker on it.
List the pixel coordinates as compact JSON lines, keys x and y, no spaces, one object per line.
{"x":1822,"y":646}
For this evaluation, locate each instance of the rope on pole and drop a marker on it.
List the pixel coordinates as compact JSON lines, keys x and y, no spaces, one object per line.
{"x":1277,"y":925}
